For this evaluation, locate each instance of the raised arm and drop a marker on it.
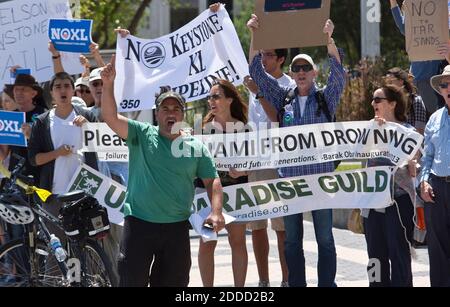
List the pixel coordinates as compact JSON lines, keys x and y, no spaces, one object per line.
{"x":95,"y":51}
{"x":398,"y":17}
{"x":253,"y":25}
{"x":56,"y":58}
{"x":331,"y":46}
{"x":117,"y":122}
{"x":268,"y":108}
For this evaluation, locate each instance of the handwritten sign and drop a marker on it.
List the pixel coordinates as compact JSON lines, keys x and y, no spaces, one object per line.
{"x":426,"y":25}
{"x":24,"y":38}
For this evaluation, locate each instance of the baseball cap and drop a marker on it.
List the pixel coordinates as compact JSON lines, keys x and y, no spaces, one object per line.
{"x":95,"y":74}
{"x":82,"y":81}
{"x":305,"y":57}
{"x":170,"y":94}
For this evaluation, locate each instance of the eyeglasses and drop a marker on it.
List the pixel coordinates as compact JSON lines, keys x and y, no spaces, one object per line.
{"x":305,"y":68}
{"x":96,"y":83}
{"x":443,"y":85}
{"x":213,"y":97}
{"x":378,"y":99}
{"x":83,"y":91}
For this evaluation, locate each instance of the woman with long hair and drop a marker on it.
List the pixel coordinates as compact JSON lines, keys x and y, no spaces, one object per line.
{"x":389,"y":231}
{"x":228,"y":114}
{"x":415,"y":108}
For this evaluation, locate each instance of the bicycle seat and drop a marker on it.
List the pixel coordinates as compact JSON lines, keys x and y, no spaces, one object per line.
{"x":71,"y":196}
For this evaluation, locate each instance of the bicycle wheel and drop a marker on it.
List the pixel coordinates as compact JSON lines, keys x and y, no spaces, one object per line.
{"x":96,"y":268}
{"x":20,"y":269}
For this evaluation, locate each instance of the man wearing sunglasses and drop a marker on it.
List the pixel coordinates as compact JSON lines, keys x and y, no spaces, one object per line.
{"x":435,"y":184}
{"x":82,"y":91}
{"x":305,"y":111}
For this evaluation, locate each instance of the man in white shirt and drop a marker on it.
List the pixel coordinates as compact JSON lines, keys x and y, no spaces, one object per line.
{"x":262,"y":114}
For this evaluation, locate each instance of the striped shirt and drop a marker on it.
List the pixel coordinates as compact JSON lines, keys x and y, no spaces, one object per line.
{"x":276,"y":94}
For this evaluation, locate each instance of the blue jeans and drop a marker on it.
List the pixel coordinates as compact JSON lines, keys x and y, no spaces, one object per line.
{"x":295,"y":258}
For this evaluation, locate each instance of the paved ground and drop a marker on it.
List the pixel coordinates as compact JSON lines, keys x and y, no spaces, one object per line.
{"x":351,"y":266}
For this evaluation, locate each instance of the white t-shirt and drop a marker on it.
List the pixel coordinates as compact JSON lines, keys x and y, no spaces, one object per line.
{"x":64,"y":132}
{"x":302,"y":103}
{"x":256,"y":112}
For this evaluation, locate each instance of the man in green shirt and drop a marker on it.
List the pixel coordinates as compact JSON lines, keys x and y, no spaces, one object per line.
{"x":160,"y":191}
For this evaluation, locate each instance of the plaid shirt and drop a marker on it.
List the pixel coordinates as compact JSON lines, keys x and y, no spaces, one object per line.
{"x":417,"y":116}
{"x":276,"y":94}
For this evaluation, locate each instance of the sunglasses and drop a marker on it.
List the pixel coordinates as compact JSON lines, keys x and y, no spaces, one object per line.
{"x":443,"y":85}
{"x":213,"y":97}
{"x":305,"y":68}
{"x":378,"y":99}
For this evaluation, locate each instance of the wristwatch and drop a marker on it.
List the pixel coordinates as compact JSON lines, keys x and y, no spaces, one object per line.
{"x":259,"y":95}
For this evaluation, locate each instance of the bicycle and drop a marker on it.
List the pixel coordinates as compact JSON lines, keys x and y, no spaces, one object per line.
{"x":30,"y":260}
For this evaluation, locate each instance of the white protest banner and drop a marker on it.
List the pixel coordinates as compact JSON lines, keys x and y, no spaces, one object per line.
{"x":307,"y":144}
{"x":24,"y":38}
{"x":99,"y":138}
{"x":188,"y":60}
{"x":366,"y":188}
{"x":108,"y":192}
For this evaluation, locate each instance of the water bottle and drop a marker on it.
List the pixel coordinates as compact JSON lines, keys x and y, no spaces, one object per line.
{"x":58,"y":250}
{"x":288,"y":116}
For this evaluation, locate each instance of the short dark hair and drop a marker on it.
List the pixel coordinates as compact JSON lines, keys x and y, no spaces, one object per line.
{"x":61,"y":76}
{"x":281,"y":53}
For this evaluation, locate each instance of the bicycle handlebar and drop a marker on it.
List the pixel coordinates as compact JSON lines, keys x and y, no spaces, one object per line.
{"x":17,"y":181}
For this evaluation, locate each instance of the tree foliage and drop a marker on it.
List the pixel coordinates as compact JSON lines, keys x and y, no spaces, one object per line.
{"x":110,"y":14}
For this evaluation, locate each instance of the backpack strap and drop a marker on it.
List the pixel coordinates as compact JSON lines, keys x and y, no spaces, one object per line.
{"x":322,"y":106}
{"x":290,"y":95}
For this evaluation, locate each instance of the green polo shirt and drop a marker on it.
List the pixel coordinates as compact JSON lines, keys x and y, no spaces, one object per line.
{"x":160,"y":187}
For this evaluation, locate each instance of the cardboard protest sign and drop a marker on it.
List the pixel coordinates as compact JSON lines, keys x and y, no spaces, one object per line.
{"x":291,"y":28}
{"x":70,"y":35}
{"x":426,"y":27}
{"x":10,"y":128}
{"x":285,"y":5}
{"x":24,"y":38}
{"x":188,"y":60}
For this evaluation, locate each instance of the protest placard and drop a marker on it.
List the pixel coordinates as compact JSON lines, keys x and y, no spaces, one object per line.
{"x":293,"y":27}
{"x":188,"y":60}
{"x":426,"y":27}
{"x":11,"y":128}
{"x":70,"y":35}
{"x":24,"y":38}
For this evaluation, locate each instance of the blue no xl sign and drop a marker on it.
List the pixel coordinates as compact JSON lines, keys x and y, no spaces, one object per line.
{"x":70,"y":35}
{"x":10,"y":128}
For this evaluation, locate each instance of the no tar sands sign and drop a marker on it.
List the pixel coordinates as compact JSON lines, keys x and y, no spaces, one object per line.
{"x":287,"y":5}
{"x":426,"y":27}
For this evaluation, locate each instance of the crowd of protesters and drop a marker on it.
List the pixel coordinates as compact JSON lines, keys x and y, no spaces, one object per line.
{"x":154,"y":243}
